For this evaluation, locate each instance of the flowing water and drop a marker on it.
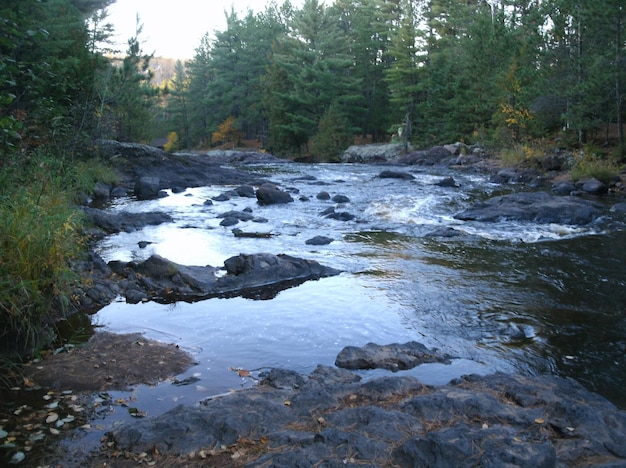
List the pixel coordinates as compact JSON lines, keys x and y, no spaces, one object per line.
{"x":511,"y":297}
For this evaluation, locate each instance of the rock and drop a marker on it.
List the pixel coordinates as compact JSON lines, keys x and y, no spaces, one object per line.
{"x":323,"y":196}
{"x":117,"y":192}
{"x":539,"y":207}
{"x":435,"y":156}
{"x":373,"y":153}
{"x":392,"y":357}
{"x":124,"y":221}
{"x":332,"y":418}
{"x":177,"y":189}
{"x":564,"y":187}
{"x":101,"y":190}
{"x":229,"y":221}
{"x":446,"y":232}
{"x":147,"y":188}
{"x":221,"y":197}
{"x":339,"y":216}
{"x":319,"y":240}
{"x":164,"y":281}
{"x":238,"y":215}
{"x":341,"y":199}
{"x":594,"y":186}
{"x":269,"y":194}
{"x":396,"y":175}
{"x":246,"y":191}
{"x":447,"y":182}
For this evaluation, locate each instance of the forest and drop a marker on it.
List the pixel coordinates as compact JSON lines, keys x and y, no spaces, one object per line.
{"x":300,"y":82}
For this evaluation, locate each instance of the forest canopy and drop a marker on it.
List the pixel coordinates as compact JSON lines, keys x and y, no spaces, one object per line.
{"x":436,"y":71}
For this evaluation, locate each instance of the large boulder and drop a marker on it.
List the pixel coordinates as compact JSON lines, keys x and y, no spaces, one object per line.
{"x":373,"y":153}
{"x":538,"y":207}
{"x":147,"y":188}
{"x":435,"y":156}
{"x":269,"y":194}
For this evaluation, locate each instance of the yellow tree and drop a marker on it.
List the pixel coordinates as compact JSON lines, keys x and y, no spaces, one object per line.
{"x":227,"y":132}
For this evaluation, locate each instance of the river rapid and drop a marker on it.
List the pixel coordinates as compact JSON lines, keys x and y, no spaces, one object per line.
{"x":505,"y":296}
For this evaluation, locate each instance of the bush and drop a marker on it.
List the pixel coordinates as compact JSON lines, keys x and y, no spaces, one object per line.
{"x":40,"y":234}
{"x":591,"y":164}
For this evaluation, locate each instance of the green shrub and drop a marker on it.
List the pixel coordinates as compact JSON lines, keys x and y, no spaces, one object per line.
{"x":40,"y":234}
{"x":590,"y":165}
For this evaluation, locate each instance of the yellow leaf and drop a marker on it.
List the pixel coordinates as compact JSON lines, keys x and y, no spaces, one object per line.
{"x":539,"y":421}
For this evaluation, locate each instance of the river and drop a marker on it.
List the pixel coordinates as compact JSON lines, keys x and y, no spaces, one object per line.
{"x":505,"y":296}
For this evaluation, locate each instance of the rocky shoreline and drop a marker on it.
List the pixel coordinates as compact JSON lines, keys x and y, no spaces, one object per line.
{"x":331,"y":417}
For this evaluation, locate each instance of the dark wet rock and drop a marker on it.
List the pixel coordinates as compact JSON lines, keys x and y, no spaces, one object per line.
{"x":539,"y":207}
{"x":341,"y":199}
{"x":331,"y":418}
{"x":143,"y":244}
{"x":221,"y":197}
{"x":396,"y":175}
{"x":177,"y":189}
{"x":133,"y":161}
{"x":323,"y":195}
{"x":594,"y":186}
{"x":339,"y":216}
{"x":564,"y":187}
{"x":164,"y":281}
{"x":246,"y":191}
{"x":208,"y":202}
{"x":117,"y":192}
{"x":229,"y":221}
{"x":393,"y":357}
{"x":447,"y":182}
{"x":435,"y":156}
{"x":319,"y":240}
{"x":124,"y":221}
{"x":269,"y":194}
{"x":147,"y":188}
{"x":446,"y":232}
{"x":238,"y":215}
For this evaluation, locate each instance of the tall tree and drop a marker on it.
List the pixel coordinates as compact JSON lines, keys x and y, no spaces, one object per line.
{"x":177,"y":103}
{"x":313,"y":64}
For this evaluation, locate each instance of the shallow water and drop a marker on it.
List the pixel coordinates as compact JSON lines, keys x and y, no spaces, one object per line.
{"x":511,"y":297}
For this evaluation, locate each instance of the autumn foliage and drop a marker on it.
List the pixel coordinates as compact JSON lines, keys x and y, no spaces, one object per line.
{"x":227,"y":132}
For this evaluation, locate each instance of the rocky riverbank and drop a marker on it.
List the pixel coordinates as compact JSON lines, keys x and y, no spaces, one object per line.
{"x":331,"y":417}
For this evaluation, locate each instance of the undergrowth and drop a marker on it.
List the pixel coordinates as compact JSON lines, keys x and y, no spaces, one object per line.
{"x":40,"y":234}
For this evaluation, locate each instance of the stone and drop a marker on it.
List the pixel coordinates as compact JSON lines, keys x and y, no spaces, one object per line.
{"x":147,"y":188}
{"x":319,"y":240}
{"x":396,"y":175}
{"x":392,"y":357}
{"x":269,"y":194}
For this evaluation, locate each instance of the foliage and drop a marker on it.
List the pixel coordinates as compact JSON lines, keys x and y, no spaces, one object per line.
{"x":39,"y":236}
{"x":172,"y":142}
{"x":590,"y":163}
{"x":227,"y":132}
{"x":333,"y":136}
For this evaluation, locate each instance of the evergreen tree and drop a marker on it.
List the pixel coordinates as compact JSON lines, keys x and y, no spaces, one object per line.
{"x":177,"y":105}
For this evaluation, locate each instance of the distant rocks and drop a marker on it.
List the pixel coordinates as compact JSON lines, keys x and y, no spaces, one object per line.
{"x":373,"y":153}
{"x":539,"y":207}
{"x":269,"y":194}
{"x":396,"y":175}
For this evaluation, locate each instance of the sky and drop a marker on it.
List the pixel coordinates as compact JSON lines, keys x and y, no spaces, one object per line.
{"x":173,"y":28}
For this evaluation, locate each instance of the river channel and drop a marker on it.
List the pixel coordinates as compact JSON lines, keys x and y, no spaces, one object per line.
{"x":503,"y":296}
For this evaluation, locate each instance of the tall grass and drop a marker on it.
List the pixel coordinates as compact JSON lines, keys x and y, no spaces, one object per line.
{"x":40,"y":233}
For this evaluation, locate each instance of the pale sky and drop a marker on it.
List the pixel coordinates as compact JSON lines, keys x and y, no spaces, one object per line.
{"x":173,"y":28}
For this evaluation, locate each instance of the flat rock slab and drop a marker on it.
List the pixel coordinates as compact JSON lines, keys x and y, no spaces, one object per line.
{"x":539,"y":207}
{"x":393,"y":357}
{"x":330,"y":418}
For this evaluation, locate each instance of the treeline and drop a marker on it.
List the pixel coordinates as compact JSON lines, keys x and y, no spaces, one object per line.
{"x":306,"y":80}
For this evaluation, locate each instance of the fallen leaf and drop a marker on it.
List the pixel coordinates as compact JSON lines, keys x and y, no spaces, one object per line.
{"x":539,"y":421}
{"x":52,"y":417}
{"x":287,"y":403}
